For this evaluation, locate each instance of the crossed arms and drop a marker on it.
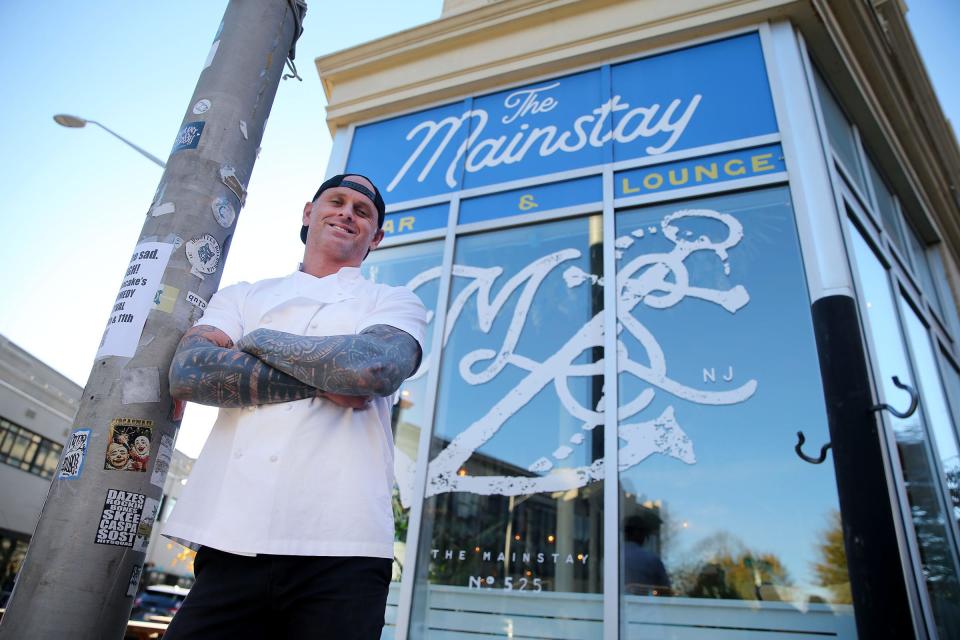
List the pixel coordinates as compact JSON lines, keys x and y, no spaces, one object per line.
{"x":267,"y":367}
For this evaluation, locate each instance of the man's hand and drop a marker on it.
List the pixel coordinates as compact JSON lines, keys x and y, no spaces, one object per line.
{"x":347,"y":402}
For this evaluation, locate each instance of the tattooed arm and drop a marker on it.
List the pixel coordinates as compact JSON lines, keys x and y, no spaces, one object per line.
{"x":206,"y":369}
{"x":374,"y":362}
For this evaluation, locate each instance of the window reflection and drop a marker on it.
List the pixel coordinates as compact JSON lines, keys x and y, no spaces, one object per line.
{"x":920,"y":475}
{"x":933,"y":402}
{"x":840,"y":133}
{"x":514,"y":497}
{"x":416,"y":266}
{"x":718,"y":372}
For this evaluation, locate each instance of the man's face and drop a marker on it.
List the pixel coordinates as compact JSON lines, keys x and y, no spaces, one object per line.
{"x":343,"y":224}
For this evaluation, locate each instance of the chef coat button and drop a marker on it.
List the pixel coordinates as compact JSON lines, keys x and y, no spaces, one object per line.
{"x":238,"y":454}
{"x":274,"y":458}
{"x":288,"y":407}
{"x":313,"y":326}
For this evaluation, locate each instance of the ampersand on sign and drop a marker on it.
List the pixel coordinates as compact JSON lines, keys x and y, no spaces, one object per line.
{"x":527,"y":203}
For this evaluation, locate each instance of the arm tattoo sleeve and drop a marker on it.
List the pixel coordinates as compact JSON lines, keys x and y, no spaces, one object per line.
{"x":374,"y":362}
{"x":206,"y":369}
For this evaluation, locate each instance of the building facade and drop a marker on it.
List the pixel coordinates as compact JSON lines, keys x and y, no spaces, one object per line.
{"x":37,"y":406}
{"x":670,"y":252}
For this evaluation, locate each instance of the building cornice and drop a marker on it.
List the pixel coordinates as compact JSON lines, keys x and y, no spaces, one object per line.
{"x":510,"y":41}
{"x":867,"y":52}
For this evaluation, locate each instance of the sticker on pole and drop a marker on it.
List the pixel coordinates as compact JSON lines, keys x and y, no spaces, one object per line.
{"x":162,"y":464}
{"x":134,"y":583}
{"x":74,"y":453}
{"x":145,"y":527}
{"x":128,"y":447}
{"x":203,"y":252}
{"x":120,"y":518}
{"x":196,"y":300}
{"x":223,"y":212}
{"x":135,"y":299}
{"x":201,"y":107}
{"x":189,"y":136}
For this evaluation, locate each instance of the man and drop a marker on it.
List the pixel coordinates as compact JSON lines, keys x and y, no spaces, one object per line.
{"x":289,"y":503}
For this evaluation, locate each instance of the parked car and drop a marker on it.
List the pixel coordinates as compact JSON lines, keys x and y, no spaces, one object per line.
{"x":158,"y":600}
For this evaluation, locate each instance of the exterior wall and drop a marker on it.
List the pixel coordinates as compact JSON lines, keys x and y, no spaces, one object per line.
{"x":492,"y":56}
{"x":37,"y":398}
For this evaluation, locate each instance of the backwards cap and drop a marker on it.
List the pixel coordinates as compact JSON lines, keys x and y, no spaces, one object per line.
{"x":341,"y":181}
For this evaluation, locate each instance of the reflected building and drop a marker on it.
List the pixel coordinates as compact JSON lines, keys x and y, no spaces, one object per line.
{"x":657,"y":240}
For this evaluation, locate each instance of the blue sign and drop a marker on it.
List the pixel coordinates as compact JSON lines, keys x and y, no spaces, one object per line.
{"x":189,"y":136}
{"x":686,"y":99}
{"x":414,"y":220}
{"x":721,"y":167}
{"x":532,"y":199}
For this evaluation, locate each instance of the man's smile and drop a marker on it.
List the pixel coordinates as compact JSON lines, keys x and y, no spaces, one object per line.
{"x":345,"y":229}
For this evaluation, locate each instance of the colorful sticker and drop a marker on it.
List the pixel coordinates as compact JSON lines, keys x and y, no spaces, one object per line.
{"x":196,"y":300}
{"x":165,"y":298}
{"x":145,"y":527}
{"x":74,"y":454}
{"x":120,"y":518}
{"x":134,"y":585}
{"x":201,"y":107}
{"x":162,"y":464}
{"x":189,"y":136}
{"x":177,"y":408}
{"x":223,"y":212}
{"x":203,"y":252}
{"x":128,"y":447}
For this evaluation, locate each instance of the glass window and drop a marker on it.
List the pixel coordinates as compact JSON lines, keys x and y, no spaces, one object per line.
{"x":28,"y":451}
{"x":925,"y":508}
{"x":7,"y":436}
{"x":417,"y":267}
{"x":948,"y":302}
{"x":933,"y":402}
{"x":840,"y":133}
{"x":512,"y":540}
{"x":719,"y":372}
{"x":951,"y":466}
{"x":921,"y":268}
{"x":20,"y":443}
{"x":885,"y":205}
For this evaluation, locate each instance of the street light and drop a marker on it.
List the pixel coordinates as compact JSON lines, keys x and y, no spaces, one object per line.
{"x":73,"y":122}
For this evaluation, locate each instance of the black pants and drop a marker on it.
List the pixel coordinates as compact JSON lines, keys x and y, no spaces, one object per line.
{"x":283,"y":597}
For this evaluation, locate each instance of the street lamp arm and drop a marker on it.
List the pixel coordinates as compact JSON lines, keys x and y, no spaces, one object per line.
{"x":146,"y":154}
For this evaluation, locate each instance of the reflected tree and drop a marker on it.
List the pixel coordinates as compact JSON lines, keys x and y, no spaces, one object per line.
{"x":725,"y":568}
{"x":831,"y":571}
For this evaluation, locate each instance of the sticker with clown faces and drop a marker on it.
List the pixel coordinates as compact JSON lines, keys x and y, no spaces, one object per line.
{"x":128,"y":445}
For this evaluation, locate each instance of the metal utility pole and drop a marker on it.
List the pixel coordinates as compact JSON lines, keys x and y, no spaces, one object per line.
{"x":84,"y":562}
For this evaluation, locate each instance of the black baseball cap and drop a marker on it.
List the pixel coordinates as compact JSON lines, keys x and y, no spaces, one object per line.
{"x":341,"y":181}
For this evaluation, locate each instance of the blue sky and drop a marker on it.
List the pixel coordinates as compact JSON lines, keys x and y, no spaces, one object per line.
{"x":73,"y":200}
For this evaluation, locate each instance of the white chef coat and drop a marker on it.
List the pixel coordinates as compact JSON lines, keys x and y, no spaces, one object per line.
{"x":307,"y":477}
